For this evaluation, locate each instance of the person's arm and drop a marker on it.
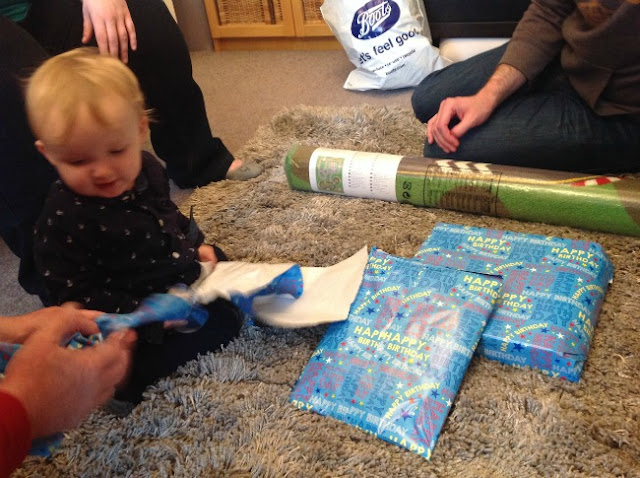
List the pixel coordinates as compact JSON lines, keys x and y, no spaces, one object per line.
{"x":111,"y":23}
{"x":472,"y":110}
{"x":15,"y":433}
{"x":159,"y":179}
{"x":535,"y":42}
{"x":538,"y":38}
{"x":158,"y":176}
{"x":48,"y":388}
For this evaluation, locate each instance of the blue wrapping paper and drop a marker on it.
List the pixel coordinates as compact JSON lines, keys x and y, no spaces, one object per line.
{"x":155,"y":308}
{"x":178,"y":304}
{"x":6,"y":352}
{"x":553,"y":290}
{"x":288,"y":283}
{"x":393,"y":368}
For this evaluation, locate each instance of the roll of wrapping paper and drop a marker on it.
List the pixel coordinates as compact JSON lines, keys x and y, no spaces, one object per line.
{"x":601,"y":203}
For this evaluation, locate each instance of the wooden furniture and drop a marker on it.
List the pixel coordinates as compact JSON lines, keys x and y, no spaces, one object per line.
{"x":268,"y":24}
{"x":298,"y":24}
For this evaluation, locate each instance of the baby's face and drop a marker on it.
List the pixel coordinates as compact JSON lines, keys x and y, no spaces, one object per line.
{"x":98,"y":159}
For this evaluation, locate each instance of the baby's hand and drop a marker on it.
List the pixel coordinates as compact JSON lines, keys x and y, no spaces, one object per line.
{"x":207,"y":254}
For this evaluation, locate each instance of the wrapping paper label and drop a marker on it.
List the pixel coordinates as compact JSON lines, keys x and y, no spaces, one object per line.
{"x":393,"y":368}
{"x":370,"y":175}
{"x":548,"y":307}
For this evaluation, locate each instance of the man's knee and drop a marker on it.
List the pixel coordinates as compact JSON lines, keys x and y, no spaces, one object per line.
{"x":433,"y":151}
{"x":427,"y":96}
{"x":450,"y":81}
{"x":463,"y":78}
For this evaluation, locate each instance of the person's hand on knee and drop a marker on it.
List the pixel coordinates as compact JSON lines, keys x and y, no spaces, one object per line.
{"x":472,"y":111}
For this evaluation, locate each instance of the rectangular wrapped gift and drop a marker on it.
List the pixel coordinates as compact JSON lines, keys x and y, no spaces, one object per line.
{"x":393,"y":368}
{"x":548,"y":307}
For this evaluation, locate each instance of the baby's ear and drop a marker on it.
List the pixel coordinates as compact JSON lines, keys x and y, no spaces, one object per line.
{"x":40,"y":146}
{"x":143,"y":126}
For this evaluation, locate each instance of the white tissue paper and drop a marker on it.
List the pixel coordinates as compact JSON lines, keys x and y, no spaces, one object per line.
{"x":327,"y":291}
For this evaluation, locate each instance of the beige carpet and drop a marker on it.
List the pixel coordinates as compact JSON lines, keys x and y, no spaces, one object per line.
{"x":227,"y":414}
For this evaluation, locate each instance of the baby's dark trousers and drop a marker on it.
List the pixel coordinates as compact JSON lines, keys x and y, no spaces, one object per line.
{"x":160,"y":351}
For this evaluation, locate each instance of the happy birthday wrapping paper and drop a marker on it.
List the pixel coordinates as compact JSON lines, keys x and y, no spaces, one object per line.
{"x":548,"y":307}
{"x":393,"y":368}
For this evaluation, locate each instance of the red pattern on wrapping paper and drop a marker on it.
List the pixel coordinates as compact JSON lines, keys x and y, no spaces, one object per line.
{"x":426,"y":421}
{"x":599,"y":181}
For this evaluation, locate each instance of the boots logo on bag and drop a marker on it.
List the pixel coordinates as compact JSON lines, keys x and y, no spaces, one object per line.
{"x":374,"y":18}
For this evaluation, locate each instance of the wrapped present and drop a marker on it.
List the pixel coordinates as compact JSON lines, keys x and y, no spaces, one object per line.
{"x":548,"y":307}
{"x":599,"y":203}
{"x":393,"y":368}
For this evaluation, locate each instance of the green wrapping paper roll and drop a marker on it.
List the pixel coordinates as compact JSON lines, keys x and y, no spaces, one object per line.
{"x":600,"y":203}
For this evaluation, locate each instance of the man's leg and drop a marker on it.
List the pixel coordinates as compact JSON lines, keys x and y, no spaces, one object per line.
{"x":551,"y":128}
{"x":545,"y":126}
{"x":464,"y":78}
{"x":25,"y":175}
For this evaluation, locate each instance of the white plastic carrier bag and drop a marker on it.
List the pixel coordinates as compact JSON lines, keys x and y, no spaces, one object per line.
{"x":389,"y":42}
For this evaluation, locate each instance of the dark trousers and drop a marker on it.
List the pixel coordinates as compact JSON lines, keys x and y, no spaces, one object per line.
{"x":546,"y":125}
{"x":154,"y":359}
{"x":180,"y":131}
{"x":160,"y":352}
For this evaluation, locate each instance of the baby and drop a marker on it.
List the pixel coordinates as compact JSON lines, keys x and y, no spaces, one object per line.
{"x":109,"y":234}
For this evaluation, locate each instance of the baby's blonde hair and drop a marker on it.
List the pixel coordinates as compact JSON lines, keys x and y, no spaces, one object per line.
{"x":80,"y":77}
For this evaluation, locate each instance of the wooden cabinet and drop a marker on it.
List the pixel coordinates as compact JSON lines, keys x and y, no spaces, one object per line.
{"x":268,"y":24}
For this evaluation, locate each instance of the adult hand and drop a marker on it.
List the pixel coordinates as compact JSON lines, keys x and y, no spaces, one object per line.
{"x":471,"y":110}
{"x":59,"y":386}
{"x":18,"y":328}
{"x":111,"y":23}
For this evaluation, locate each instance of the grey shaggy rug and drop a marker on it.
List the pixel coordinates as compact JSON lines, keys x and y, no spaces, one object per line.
{"x":227,"y":414}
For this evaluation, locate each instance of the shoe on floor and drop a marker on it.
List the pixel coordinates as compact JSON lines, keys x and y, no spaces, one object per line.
{"x":248,"y":170}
